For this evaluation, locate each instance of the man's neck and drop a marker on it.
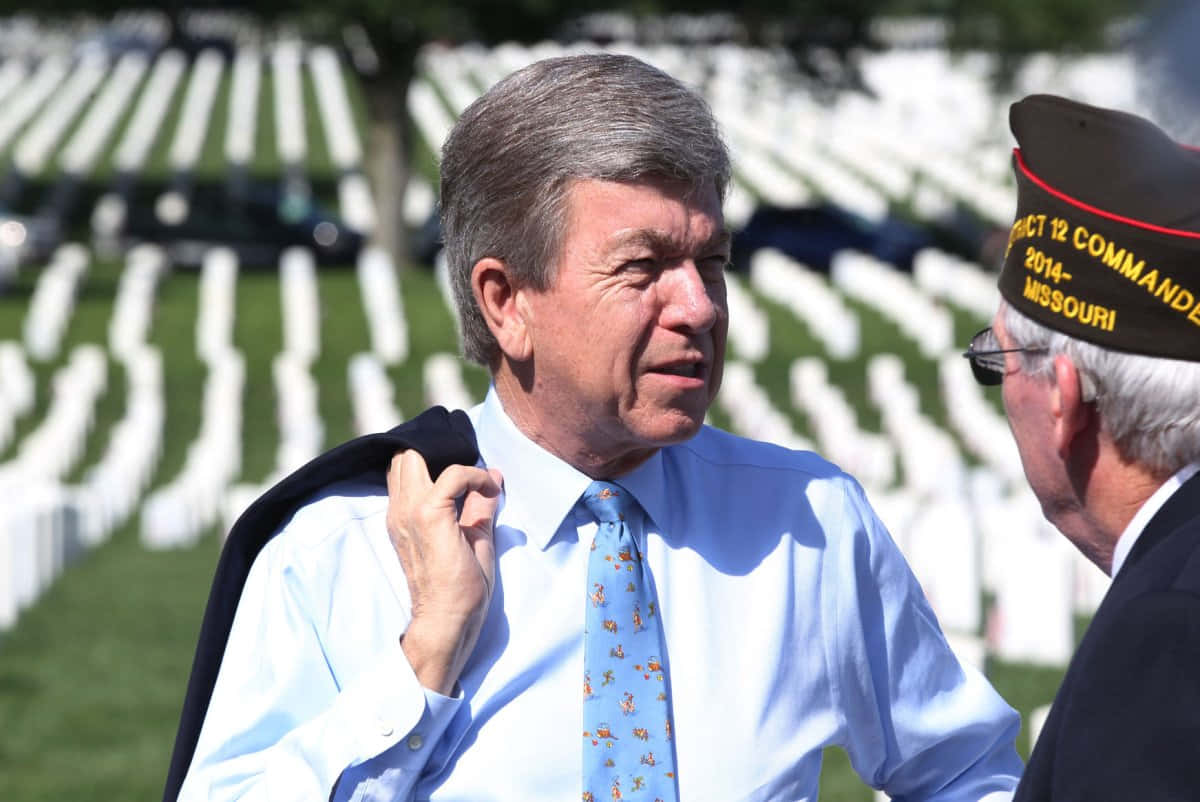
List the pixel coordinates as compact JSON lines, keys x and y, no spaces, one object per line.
{"x":560,"y":441}
{"x":1109,"y":497}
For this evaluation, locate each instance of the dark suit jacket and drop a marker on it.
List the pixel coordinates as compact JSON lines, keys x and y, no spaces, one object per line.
{"x":442,"y":438}
{"x":1125,"y":724}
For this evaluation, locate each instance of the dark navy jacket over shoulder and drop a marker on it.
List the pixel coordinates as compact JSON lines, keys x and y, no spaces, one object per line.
{"x":443,"y":439}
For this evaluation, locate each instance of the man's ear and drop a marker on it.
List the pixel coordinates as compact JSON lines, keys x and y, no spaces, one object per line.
{"x":1072,"y":414}
{"x":503,"y":307}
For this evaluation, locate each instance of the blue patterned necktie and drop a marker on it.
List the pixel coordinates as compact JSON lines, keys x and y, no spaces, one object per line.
{"x":628,"y":752}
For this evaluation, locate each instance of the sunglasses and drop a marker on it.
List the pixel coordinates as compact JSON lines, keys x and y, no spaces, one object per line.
{"x":987,"y":357}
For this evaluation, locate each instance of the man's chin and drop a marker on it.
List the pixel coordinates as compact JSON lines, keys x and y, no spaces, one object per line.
{"x":677,"y":426}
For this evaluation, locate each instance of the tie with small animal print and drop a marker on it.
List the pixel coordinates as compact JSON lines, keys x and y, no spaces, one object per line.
{"x":628,"y":751}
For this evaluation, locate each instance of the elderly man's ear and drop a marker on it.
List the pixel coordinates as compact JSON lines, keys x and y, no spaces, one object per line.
{"x":505,"y":307}
{"x":1072,"y":414}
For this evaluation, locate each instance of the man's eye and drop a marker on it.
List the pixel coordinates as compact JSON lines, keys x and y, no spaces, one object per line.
{"x":641,"y":265}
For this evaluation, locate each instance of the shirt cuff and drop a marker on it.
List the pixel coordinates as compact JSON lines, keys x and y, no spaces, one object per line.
{"x":387,"y":705}
{"x":394,"y":756}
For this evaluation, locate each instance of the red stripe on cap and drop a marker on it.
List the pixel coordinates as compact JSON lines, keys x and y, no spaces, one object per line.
{"x":1177,"y":232}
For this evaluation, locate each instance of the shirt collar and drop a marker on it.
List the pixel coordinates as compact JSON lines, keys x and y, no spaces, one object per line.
{"x":540,"y":489}
{"x":1152,"y":505}
{"x":648,"y":484}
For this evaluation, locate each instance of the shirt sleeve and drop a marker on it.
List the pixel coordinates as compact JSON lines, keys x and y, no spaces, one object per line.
{"x":918,"y":723}
{"x":284,"y":724}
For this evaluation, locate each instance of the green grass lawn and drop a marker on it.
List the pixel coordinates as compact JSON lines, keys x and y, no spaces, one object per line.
{"x":90,"y":679}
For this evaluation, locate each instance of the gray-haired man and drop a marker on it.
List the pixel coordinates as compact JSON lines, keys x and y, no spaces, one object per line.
{"x":1097,"y":344}
{"x":581,"y":206}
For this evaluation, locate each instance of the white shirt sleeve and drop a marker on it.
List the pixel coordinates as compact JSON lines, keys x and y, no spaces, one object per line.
{"x":291,"y":717}
{"x":920,"y":724}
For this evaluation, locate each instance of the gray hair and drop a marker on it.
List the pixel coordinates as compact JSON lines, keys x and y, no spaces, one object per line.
{"x":1150,"y":406}
{"x":511,"y":158}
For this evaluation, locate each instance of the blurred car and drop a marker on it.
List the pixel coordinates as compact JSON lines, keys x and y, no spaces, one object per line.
{"x":813,"y":234}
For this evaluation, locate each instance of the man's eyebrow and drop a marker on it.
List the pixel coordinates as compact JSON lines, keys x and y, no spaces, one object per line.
{"x":645,"y":237}
{"x":659,"y":242}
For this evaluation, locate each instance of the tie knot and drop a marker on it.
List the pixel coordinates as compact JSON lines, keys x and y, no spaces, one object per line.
{"x":609,"y":502}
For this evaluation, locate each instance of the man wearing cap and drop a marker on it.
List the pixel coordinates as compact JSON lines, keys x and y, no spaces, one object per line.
{"x":617,"y":602}
{"x":1097,"y":344}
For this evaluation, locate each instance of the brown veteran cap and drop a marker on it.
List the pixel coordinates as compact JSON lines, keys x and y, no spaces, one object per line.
{"x":1106,"y":243}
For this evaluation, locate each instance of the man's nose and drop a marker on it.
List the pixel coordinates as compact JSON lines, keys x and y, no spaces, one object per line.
{"x":691,"y":302}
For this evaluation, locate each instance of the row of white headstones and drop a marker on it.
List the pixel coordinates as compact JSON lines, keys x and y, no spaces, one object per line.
{"x":964,"y":529}
{"x":83,"y":101}
{"x":930,"y":134}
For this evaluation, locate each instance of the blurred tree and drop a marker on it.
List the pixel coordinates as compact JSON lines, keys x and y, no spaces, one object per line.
{"x":1022,"y":26}
{"x":1015,"y":28}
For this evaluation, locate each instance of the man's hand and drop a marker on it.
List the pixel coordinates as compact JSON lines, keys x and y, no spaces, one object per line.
{"x":449,"y":560}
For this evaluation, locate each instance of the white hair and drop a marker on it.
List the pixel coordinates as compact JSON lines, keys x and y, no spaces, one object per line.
{"x":1150,"y":406}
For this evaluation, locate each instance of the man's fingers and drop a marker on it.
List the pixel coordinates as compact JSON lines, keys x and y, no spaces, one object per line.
{"x":459,"y":480}
{"x":477,"y":522}
{"x":479,"y":506}
{"x":408,"y":473}
{"x":421,"y":507}
{"x":408,"y":479}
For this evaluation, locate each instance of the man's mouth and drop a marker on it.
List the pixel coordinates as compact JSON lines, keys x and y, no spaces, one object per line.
{"x":690,"y":370}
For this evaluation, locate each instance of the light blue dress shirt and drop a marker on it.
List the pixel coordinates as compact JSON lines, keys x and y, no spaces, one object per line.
{"x":791,"y":621}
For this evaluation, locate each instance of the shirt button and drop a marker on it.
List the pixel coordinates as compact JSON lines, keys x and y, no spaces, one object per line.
{"x":415,"y":741}
{"x":385,"y":729}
